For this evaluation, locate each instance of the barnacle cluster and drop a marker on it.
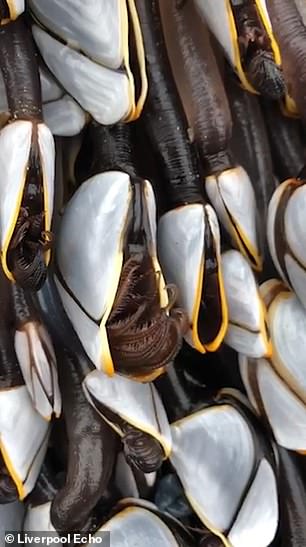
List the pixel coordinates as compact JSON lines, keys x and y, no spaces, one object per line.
{"x":153,"y":270}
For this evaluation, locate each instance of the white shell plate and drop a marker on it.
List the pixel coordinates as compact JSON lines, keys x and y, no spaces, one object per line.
{"x":241,"y":291}
{"x":16,"y":7}
{"x":138,"y":527}
{"x":297,"y":278}
{"x":257,"y":522}
{"x":180,"y":250}
{"x":215,"y":13}
{"x":206,"y":445}
{"x":245,"y":342}
{"x":38,"y":519}
{"x":287,"y":323}
{"x":47,"y":155}
{"x":272,"y":209}
{"x":233,"y":189}
{"x":90,"y":240}
{"x":102,"y":92}
{"x":286,"y":413}
{"x":50,"y":89}
{"x":93,"y":27}
{"x":24,"y":434}
{"x":15,"y":142}
{"x":64,"y":117}
{"x":138,"y":404}
{"x":87,"y":331}
{"x":295,"y":224}
{"x":41,"y":379}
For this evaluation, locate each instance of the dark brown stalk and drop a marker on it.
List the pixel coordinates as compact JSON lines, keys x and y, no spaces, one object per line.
{"x":290,"y":34}
{"x":207,"y":102}
{"x":91,"y":453}
{"x":19,"y":66}
{"x":20,"y":71}
{"x":163,"y":116}
{"x":286,"y":141}
{"x":250,"y":146}
{"x":8,"y":489}
{"x":292,"y":495}
{"x":46,"y":486}
{"x":109,"y":148}
{"x":211,"y":541}
{"x":179,"y":394}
